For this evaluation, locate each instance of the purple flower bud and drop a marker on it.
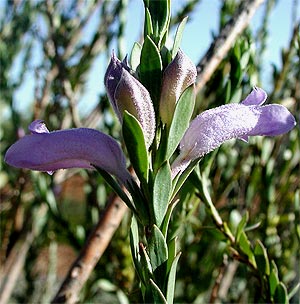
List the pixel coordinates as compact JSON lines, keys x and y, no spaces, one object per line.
{"x":213,"y":127}
{"x":178,"y":75}
{"x":74,"y":148}
{"x":125,"y":92}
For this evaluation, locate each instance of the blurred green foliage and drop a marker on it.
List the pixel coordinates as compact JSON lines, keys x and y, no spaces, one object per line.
{"x":45,"y":219}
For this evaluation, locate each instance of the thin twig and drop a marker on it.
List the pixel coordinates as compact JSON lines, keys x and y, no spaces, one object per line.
{"x":92,"y":252}
{"x":220,"y":47}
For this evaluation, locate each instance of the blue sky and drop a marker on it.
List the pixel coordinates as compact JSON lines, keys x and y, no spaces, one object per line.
{"x":197,"y":38}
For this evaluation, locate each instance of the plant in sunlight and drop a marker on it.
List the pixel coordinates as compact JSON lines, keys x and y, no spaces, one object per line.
{"x":153,"y":96}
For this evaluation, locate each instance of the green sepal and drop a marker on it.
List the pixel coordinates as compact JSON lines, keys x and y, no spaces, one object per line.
{"x":136,"y":147}
{"x":135,"y":56}
{"x":172,"y":279}
{"x":151,"y":70}
{"x":280,"y":294}
{"x":157,"y":294}
{"x":261,"y":258}
{"x":161,"y":192}
{"x":181,"y":119}
{"x":157,"y":247}
{"x":178,"y":36}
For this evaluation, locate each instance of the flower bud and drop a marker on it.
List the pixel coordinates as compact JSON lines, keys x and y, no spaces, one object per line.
{"x":125,"y":92}
{"x":178,"y":75}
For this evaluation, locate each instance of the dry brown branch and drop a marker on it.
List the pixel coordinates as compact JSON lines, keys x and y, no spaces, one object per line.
{"x":220,"y":47}
{"x":92,"y":252}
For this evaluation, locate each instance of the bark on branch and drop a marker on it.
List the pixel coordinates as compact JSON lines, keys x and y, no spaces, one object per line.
{"x":92,"y":252}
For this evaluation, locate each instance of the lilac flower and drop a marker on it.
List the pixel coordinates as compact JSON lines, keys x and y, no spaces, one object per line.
{"x":179,"y":74}
{"x":125,"y":92}
{"x":74,"y":148}
{"x":213,"y":127}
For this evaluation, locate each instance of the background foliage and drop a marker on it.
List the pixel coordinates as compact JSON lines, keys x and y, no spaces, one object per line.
{"x":46,"y":219}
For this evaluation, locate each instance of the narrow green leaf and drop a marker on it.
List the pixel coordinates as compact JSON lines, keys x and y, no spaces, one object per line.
{"x":167,"y":218}
{"x":135,"y":56}
{"x":246,"y":247}
{"x":160,"y":15}
{"x":241,"y":226}
{"x":273,"y":278}
{"x":181,"y":119}
{"x":158,"y":250}
{"x":161,"y":192}
{"x":148,"y":28}
{"x":179,"y":180}
{"x":136,"y":147}
{"x":172,"y":280}
{"x":157,"y":293}
{"x":172,"y":251}
{"x":151,"y":70}
{"x":134,"y":245}
{"x":261,"y":258}
{"x":116,"y":187}
{"x":280,"y":295}
{"x":146,"y":266}
{"x":178,"y":36}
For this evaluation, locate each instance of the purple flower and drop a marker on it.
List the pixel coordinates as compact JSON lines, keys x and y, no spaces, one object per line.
{"x":125,"y":92}
{"x":179,"y":74}
{"x":74,"y":148}
{"x":213,"y":127}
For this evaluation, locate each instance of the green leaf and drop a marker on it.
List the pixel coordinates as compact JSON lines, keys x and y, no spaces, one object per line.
{"x":161,"y":192}
{"x":157,"y":293}
{"x":148,"y":28}
{"x":246,"y":247}
{"x":241,"y":226}
{"x":116,"y":187}
{"x":151,"y":70}
{"x":136,"y":147}
{"x":158,"y":250}
{"x":273,"y":278}
{"x":135,"y":56}
{"x":167,"y":218}
{"x":261,"y":258}
{"x":172,"y":280}
{"x":181,"y":119}
{"x":178,"y":36}
{"x":146,"y":267}
{"x":134,"y":245}
{"x":280,"y":295}
{"x":172,"y":250}
{"x":160,"y":12}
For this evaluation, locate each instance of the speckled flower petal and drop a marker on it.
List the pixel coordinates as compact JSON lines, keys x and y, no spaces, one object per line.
{"x":73,"y":148}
